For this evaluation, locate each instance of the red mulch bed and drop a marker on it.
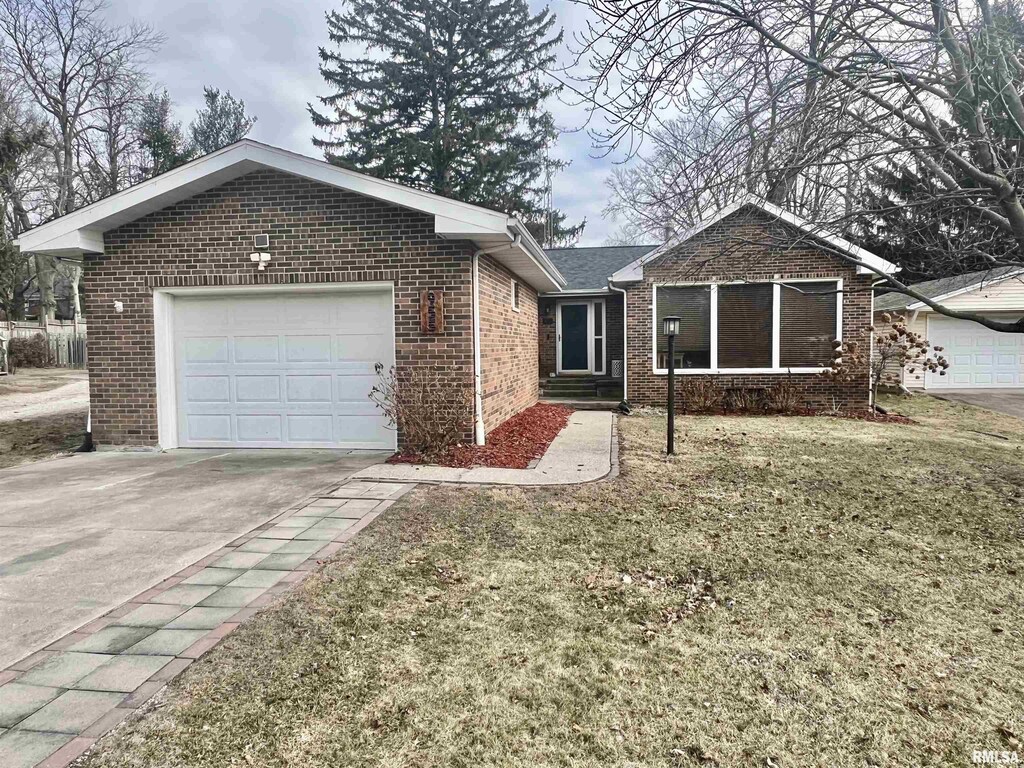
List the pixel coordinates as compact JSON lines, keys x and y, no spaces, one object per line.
{"x":513,"y":445}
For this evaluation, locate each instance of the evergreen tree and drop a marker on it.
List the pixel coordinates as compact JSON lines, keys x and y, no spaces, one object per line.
{"x":907,"y":214}
{"x":223,"y":121}
{"x":447,"y":97}
{"x":160,"y":137}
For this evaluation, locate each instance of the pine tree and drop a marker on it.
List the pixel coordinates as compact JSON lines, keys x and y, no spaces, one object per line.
{"x":447,"y":96}
{"x":159,"y":136}
{"x":223,"y":121}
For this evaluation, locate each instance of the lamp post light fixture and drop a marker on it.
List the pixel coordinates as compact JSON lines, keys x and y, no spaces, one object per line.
{"x":670,"y":325}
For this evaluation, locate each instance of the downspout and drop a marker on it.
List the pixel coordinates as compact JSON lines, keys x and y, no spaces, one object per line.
{"x":625,"y":343}
{"x":478,"y":387}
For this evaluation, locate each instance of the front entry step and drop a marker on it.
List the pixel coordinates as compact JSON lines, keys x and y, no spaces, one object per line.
{"x":584,"y":403}
{"x":582,"y":387}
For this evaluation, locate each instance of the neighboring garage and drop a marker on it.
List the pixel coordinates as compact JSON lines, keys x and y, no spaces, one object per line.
{"x":979,"y":357}
{"x":245,"y":299}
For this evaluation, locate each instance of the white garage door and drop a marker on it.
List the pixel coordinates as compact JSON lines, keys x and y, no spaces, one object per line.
{"x":281,"y":369}
{"x":978,"y":357}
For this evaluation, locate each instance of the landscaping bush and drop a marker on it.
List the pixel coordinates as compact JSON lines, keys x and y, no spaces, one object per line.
{"x":744,"y":400}
{"x":431,"y":405}
{"x":782,"y":398}
{"x":700,"y":396}
{"x":31,"y":352}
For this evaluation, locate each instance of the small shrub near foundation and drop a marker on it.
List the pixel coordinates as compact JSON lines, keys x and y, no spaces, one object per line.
{"x":431,"y":405}
{"x":744,"y":400}
{"x":700,"y":396}
{"x":782,"y":397}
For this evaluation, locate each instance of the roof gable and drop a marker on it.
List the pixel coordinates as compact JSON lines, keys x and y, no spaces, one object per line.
{"x":870,"y":263}
{"x":503,"y":236}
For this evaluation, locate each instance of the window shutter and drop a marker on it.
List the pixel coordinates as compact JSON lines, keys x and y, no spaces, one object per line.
{"x":745,"y":326}
{"x":807,"y":324}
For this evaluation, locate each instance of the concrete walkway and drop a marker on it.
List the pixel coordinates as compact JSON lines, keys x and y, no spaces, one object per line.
{"x":585,"y":451}
{"x":57,"y":702}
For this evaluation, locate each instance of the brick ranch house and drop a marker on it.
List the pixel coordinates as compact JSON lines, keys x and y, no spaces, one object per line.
{"x":762,"y":295}
{"x":244,"y":300}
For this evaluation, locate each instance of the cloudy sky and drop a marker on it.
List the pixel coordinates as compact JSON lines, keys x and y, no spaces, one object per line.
{"x":264,"y":52}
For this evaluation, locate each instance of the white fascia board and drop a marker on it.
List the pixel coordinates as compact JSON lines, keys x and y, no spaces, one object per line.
{"x":635,"y":271}
{"x":960,"y":291}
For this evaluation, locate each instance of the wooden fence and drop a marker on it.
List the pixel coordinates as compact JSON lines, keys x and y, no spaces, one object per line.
{"x":68,"y":350}
{"x":66,"y":340}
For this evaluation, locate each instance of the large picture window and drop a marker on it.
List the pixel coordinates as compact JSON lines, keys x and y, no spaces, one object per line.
{"x":807,"y":324}
{"x":693,"y":344}
{"x":750,"y":327}
{"x":745,"y":326}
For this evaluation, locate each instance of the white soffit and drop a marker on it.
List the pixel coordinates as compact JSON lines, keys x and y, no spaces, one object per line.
{"x":635,"y":271}
{"x":82,"y":231}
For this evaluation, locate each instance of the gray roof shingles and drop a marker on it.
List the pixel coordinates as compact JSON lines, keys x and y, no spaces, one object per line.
{"x":590,"y":268}
{"x":889,"y":302}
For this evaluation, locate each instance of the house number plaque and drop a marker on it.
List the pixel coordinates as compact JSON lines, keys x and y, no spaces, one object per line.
{"x":432,"y":311}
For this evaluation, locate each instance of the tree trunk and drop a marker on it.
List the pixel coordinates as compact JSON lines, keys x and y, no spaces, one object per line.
{"x":46,"y":269}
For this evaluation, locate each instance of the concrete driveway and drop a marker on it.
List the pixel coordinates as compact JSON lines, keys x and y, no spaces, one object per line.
{"x":83,"y":533}
{"x":1008,"y":401}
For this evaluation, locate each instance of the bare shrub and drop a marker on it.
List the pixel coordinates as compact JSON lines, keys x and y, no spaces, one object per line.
{"x":896,"y":348}
{"x":431,"y":405}
{"x":31,"y":352}
{"x":783,"y":397}
{"x":744,"y":400}
{"x":700,"y":396}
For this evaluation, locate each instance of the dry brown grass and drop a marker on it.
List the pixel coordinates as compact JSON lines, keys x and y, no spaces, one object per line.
{"x":800,"y":592}
{"x":27,"y":440}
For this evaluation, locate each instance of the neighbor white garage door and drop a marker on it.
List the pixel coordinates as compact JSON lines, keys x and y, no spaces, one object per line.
{"x":282,"y":369}
{"x":978,"y":358}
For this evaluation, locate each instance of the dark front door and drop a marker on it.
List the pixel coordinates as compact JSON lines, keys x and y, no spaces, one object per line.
{"x":574,"y":336}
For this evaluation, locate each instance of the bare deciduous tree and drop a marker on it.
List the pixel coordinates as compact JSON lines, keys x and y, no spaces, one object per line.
{"x":800,"y":99}
{"x":69,"y":60}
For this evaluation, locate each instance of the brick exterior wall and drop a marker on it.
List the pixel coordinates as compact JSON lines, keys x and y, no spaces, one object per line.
{"x":548,"y":334}
{"x":318,"y":234}
{"x":613,"y":331}
{"x":508,"y":352}
{"x":546,"y":330}
{"x":747,"y":246}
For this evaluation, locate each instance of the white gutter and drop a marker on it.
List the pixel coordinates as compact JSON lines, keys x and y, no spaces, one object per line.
{"x":625,"y":342}
{"x":478,"y":387}
{"x":535,"y":251}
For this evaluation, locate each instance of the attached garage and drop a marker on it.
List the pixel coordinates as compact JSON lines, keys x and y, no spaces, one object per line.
{"x":277,"y":369}
{"x":244,"y":300}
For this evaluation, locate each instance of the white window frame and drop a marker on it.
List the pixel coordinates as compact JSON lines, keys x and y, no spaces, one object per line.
{"x":714,"y":370}
{"x":514,"y":294}
{"x":597,"y":366}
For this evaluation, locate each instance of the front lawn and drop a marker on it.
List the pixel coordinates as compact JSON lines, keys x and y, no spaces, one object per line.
{"x":784,"y":592}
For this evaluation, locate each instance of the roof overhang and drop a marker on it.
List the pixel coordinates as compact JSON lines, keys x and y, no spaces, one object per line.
{"x":503,"y":236}
{"x":870,"y":264}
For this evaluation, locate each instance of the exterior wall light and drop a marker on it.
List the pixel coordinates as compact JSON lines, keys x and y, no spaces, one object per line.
{"x":670,"y":325}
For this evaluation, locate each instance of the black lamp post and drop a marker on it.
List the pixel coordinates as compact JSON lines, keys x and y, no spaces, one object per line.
{"x":671,"y":327}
